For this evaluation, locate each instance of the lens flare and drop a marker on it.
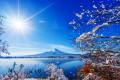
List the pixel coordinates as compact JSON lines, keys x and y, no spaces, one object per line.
{"x":19,"y":26}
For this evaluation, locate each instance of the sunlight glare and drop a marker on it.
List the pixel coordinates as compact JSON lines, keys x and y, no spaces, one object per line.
{"x":19,"y":25}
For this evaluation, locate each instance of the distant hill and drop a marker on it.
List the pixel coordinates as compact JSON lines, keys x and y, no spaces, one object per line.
{"x":54,"y":52}
{"x":49,"y":54}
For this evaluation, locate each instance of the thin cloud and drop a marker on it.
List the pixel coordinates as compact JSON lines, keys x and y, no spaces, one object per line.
{"x":41,"y":21}
{"x":58,"y":46}
{"x":37,"y":48}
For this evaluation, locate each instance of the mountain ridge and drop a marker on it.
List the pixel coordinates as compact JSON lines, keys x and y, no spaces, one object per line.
{"x":49,"y":54}
{"x":54,"y":52}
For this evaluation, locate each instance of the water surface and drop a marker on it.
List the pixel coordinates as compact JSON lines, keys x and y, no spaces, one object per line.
{"x":69,"y":65}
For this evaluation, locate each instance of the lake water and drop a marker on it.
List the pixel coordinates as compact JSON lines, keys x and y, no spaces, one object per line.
{"x":69,"y":65}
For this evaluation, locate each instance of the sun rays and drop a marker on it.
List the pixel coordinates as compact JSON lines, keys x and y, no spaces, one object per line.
{"x":22,"y":25}
{"x":39,"y":12}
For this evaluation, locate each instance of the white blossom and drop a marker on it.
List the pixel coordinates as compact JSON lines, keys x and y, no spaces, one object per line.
{"x":118,"y":14}
{"x":113,"y":37}
{"x":55,"y":73}
{"x":103,"y":6}
{"x":79,"y":15}
{"x":94,"y":6}
{"x":73,"y":22}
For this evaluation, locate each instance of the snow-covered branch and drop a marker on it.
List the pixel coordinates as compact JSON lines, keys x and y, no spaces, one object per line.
{"x":92,"y":26}
{"x":56,"y":74}
{"x":3,"y":44}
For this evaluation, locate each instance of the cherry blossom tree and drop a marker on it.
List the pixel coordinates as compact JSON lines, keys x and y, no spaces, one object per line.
{"x":3,"y":44}
{"x":93,"y":26}
{"x":55,"y":74}
{"x":99,"y":33}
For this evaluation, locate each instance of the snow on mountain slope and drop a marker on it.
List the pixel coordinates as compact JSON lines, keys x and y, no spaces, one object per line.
{"x":54,"y":52}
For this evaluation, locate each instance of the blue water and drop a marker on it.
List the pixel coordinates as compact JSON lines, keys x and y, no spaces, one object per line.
{"x":69,"y":65}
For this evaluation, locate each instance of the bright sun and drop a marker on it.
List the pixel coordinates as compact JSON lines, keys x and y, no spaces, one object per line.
{"x":19,"y":25}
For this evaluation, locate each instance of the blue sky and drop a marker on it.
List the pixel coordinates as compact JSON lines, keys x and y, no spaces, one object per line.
{"x":46,"y":29}
{"x":45,"y":24}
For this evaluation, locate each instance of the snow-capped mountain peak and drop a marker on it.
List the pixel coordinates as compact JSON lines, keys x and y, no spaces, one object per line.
{"x":56,"y":50}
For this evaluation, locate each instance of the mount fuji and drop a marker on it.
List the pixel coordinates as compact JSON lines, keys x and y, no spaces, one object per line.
{"x":53,"y":53}
{"x":49,"y":54}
